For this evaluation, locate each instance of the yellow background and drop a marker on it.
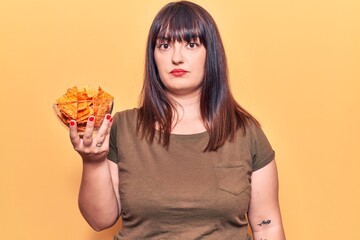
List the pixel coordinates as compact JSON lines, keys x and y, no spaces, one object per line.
{"x":294,"y":64}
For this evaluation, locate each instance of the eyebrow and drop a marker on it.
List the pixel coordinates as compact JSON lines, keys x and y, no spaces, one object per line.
{"x":168,"y":39}
{"x":163,"y":39}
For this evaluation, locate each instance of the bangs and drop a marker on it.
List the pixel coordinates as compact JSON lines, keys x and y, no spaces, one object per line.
{"x":180,"y":23}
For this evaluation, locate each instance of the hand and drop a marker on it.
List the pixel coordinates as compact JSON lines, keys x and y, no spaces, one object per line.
{"x":92,"y":147}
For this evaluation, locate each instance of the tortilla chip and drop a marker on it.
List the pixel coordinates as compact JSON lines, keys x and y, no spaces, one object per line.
{"x":80,"y":103}
{"x":68,"y":103}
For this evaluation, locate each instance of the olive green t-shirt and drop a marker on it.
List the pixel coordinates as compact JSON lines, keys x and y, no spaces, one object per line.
{"x":182,"y":192}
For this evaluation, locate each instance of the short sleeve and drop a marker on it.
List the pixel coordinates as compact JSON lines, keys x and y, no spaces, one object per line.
{"x":113,"y":150}
{"x":261,"y":151}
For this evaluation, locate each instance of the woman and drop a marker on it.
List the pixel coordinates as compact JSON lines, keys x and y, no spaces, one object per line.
{"x":190,"y":163}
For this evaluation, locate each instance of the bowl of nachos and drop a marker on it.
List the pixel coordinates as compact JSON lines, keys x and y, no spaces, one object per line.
{"x":80,"y":103}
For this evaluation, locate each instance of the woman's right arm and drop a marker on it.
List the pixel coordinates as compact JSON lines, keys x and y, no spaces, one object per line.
{"x":98,"y":195}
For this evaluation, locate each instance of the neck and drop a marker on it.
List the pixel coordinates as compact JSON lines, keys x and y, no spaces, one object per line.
{"x":186,"y":105}
{"x":187,"y":117}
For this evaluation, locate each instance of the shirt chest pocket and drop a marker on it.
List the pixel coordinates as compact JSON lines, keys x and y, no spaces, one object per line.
{"x":232,"y":178}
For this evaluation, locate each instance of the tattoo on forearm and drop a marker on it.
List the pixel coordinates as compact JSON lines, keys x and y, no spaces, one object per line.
{"x":264,"y":222}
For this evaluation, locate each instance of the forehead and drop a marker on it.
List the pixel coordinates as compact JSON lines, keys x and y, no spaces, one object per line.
{"x":179,"y":34}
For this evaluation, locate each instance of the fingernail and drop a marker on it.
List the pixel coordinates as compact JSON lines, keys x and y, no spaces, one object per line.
{"x":91,"y":118}
{"x":72,"y":123}
{"x":108,"y":117}
{"x":110,"y":120}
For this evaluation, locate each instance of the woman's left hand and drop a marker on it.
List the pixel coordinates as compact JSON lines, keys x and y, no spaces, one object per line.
{"x":92,"y":147}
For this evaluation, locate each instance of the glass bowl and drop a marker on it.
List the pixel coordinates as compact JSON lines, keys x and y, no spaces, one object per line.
{"x":81,"y":110}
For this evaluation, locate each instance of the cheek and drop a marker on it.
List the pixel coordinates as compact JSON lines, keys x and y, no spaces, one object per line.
{"x":201,"y":66}
{"x":156,"y":58}
{"x":159,"y":63}
{"x":201,"y":61}
{"x":201,"y":75}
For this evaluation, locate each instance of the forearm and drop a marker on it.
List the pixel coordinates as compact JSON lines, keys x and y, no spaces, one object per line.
{"x":97,"y":199}
{"x":269,"y":233}
{"x":264,"y":210}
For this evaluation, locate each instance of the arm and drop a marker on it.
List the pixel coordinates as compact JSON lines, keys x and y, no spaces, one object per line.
{"x":264,"y":212}
{"x":98,"y":201}
{"x":98,"y":195}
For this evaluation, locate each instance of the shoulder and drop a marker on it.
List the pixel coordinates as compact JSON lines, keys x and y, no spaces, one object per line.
{"x":260,"y":148}
{"x":125,"y":120}
{"x":250,"y":129}
{"x":132,"y":112}
{"x":126,"y":115}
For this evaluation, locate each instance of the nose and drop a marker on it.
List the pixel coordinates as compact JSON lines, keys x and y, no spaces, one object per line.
{"x":177,"y":57}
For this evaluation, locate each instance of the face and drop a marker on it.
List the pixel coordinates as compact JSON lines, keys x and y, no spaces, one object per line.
{"x":181,"y":66}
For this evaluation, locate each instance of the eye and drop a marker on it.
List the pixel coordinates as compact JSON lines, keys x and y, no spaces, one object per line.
{"x":193,"y":45}
{"x":163,"y":46}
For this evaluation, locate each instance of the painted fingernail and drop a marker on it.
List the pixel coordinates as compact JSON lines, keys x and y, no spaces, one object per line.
{"x":72,"y":123}
{"x":108,"y":117}
{"x":91,"y":118}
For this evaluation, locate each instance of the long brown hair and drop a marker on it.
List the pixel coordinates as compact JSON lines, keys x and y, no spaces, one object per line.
{"x":221,"y":114}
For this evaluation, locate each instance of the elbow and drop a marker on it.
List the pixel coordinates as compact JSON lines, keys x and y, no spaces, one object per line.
{"x":97,"y":229}
{"x":100,"y":226}
{"x":99,"y":220}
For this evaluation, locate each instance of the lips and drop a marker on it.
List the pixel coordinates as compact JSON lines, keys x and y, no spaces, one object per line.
{"x":178,"y":72}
